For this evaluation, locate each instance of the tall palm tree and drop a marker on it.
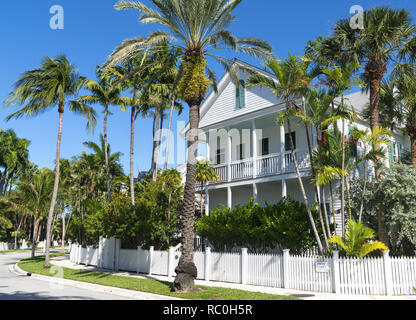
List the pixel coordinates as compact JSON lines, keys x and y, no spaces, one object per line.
{"x":386,"y":36}
{"x":48,"y":87}
{"x":292,"y":79}
{"x":106,"y":93}
{"x":204,"y":174}
{"x":341,"y":81}
{"x":196,"y":28}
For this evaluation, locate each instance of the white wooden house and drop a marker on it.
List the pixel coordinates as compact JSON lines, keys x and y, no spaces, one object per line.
{"x":251,"y":152}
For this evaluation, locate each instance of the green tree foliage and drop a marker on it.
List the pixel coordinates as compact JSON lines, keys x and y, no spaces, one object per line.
{"x":153,"y":221}
{"x":257,"y":228}
{"x":396,"y":194}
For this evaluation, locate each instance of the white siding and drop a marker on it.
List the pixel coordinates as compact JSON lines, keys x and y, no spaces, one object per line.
{"x":224,"y":106}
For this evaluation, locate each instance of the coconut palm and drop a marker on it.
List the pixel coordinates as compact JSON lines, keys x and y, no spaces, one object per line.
{"x":358,"y":240}
{"x":196,"y":28}
{"x":292,"y":79}
{"x":205,"y":173}
{"x":49,"y":87}
{"x":106,"y":93}
{"x":171,"y":178}
{"x":387,"y":35}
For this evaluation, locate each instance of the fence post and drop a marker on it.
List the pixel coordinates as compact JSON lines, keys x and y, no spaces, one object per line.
{"x":100,"y":252}
{"x":117,"y":246}
{"x":388,"y":278}
{"x":335,"y":272}
{"x":244,"y":266}
{"x":151,"y":250}
{"x":88,"y":256}
{"x":285,"y":270}
{"x":79,"y":254}
{"x":138,"y":261}
{"x":207,"y":262}
{"x":170,"y":261}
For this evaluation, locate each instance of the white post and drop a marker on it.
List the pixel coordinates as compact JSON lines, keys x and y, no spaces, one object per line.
{"x":284,"y":189}
{"x":244,"y":266}
{"x":388,"y":278}
{"x":100,"y":253}
{"x":286,"y":258}
{"x":229,"y":198}
{"x":255,"y":192}
{"x":138,"y":260}
{"x":229,"y":156}
{"x":88,"y":256}
{"x":335,"y":272}
{"x":207,"y":202}
{"x":207,"y":262}
{"x":171,"y":260}
{"x":282,"y":147}
{"x":79,"y":254}
{"x":151,"y":250}
{"x":255,"y":148}
{"x":208,"y":148}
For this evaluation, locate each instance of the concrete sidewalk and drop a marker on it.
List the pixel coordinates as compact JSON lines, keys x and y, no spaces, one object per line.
{"x":63,"y":261}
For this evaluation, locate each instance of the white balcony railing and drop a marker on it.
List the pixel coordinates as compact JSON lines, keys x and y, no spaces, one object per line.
{"x":262,"y":166}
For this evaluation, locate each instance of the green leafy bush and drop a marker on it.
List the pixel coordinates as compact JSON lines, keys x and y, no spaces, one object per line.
{"x":257,"y":228}
{"x":395,"y":194}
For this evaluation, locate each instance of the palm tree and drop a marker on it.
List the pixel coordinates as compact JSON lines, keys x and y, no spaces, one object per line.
{"x":292,"y":79}
{"x":357,"y":241}
{"x":105,"y":160}
{"x":106,"y":93}
{"x":387,"y":35}
{"x":204,"y":174}
{"x":46,"y":87}
{"x":341,"y":81}
{"x":369,"y":138}
{"x":196,"y":28}
{"x":170,"y":179}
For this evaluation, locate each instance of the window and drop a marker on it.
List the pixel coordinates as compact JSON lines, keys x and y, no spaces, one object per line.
{"x":240,"y":95}
{"x":240,"y":151}
{"x":288,"y":146}
{"x":265,"y":147}
{"x":220,"y":156}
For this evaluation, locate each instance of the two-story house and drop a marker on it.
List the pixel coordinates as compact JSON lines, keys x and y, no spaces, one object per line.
{"x":251,"y":153}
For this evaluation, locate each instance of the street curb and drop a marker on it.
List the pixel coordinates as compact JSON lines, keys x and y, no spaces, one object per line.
{"x":96,"y":287}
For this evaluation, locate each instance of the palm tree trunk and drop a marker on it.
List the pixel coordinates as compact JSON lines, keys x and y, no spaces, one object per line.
{"x":35,"y":234}
{"x":317,"y":196}
{"x":186,"y":272}
{"x":413,"y":149}
{"x":168,"y":137}
{"x":343,"y":180}
{"x":55,"y":188}
{"x":155,"y":144}
{"x":305,"y":198}
{"x":133,"y":111}
{"x":364,"y":188}
{"x":63,"y":232}
{"x":326,"y":212}
{"x":107,"y":168}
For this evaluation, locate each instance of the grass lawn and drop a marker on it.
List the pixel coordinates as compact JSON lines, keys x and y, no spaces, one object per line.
{"x":148,"y":285}
{"x":29,"y":249}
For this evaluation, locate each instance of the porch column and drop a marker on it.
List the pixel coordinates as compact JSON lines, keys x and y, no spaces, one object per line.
{"x":229,"y":198}
{"x":208,"y":148}
{"x":207,"y":202}
{"x":255,"y":192}
{"x":255,"y":148}
{"x":284,"y":189}
{"x":282,"y":147}
{"x":229,"y":156}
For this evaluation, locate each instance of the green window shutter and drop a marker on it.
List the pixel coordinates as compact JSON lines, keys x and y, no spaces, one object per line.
{"x":391,"y":154}
{"x":237,"y":97}
{"x":242,"y":94}
{"x":400,"y":151}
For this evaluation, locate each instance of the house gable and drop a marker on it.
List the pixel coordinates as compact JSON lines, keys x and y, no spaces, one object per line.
{"x":221,"y":106}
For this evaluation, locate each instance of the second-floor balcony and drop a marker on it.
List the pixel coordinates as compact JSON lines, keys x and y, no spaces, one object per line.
{"x":263,"y":166}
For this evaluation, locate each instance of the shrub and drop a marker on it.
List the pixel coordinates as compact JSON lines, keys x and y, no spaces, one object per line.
{"x":285,"y":225}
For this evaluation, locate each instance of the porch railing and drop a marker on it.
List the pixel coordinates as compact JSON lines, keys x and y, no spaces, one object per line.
{"x":262,"y":166}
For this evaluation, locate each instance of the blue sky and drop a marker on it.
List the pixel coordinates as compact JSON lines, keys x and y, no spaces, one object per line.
{"x":92,"y":30}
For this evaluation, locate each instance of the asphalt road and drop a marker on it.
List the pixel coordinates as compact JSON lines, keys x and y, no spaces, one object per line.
{"x":18,"y":287}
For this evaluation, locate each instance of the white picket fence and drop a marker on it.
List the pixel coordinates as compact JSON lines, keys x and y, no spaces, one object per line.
{"x":370,"y":276}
